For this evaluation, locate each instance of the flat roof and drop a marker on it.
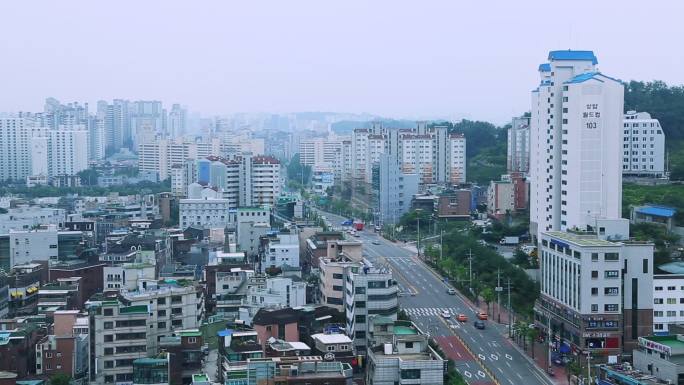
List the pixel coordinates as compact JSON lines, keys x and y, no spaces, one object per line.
{"x":332,"y":338}
{"x":404,"y":330}
{"x":580,"y":240}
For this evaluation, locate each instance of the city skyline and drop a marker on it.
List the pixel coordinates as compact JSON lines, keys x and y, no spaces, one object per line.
{"x":427,"y":61}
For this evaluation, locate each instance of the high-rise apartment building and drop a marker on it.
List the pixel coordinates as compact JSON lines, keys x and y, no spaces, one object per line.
{"x":15,"y":147}
{"x":575,"y":144}
{"x":62,"y":151}
{"x":396,"y":189}
{"x":643,"y":146}
{"x":518,"y":154}
{"x":177,"y":121}
{"x":117,"y":124}
{"x":431,"y":152}
{"x":146,"y":116}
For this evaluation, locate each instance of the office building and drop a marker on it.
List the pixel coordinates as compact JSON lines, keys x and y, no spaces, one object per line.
{"x":369,"y":291}
{"x":643,"y":146}
{"x":596,"y":288}
{"x":518,"y":150}
{"x":204,"y":213}
{"x":575,"y":144}
{"x":396,"y":190}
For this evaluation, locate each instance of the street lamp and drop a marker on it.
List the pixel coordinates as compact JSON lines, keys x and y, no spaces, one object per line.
{"x":418,"y":211}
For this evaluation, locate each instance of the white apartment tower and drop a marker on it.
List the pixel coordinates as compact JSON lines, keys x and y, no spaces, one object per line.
{"x":518,"y":154}
{"x":60,"y":152}
{"x":643,"y":146}
{"x":15,"y":147}
{"x":575,"y":142}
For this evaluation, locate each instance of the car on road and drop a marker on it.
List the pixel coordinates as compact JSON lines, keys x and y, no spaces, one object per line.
{"x":462,"y":318}
{"x":451,"y":291}
{"x":446,"y":314}
{"x":482,"y":316}
{"x":479,"y":324}
{"x":375,"y":242}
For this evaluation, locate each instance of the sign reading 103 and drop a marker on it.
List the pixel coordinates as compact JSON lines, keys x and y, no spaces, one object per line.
{"x":591,"y":117}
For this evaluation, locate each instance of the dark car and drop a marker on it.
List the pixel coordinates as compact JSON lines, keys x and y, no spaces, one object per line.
{"x":479,"y":324}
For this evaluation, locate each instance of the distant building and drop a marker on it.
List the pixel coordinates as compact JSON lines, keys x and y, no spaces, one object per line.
{"x":661,"y":215}
{"x":508,"y":195}
{"x":668,"y":308}
{"x":395,"y":189}
{"x":643,"y":146}
{"x":454,"y":204}
{"x":518,"y":150}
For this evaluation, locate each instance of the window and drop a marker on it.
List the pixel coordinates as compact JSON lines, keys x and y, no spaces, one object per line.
{"x":671,"y":301}
{"x":337,"y":276}
{"x":594,"y":291}
{"x":330,"y":348}
{"x":108,"y":312}
{"x":360,"y":334}
{"x":657,"y":301}
{"x":161,"y":301}
{"x":611,"y":307}
{"x":594,"y":256}
{"x":657,"y":313}
{"x":360,"y":319}
{"x":658,"y":288}
{"x":108,"y":351}
{"x":611,"y":291}
{"x":410,"y":374}
{"x":360,"y":290}
{"x":337,"y":288}
{"x":108,"y":338}
{"x":645,"y":266}
{"x":612,"y":256}
{"x":361,"y":304}
{"x":612,"y":274}
{"x":594,"y":308}
{"x":161,"y":325}
{"x":594,"y":274}
{"x":109,"y":325}
{"x":670,"y":288}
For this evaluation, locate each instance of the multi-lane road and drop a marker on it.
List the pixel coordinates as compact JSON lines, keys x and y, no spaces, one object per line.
{"x":481,"y":356}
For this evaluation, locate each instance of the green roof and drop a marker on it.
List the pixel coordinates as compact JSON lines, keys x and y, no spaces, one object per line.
{"x":200,"y":378}
{"x":673,"y":342}
{"x":150,"y":361}
{"x":581,"y":240}
{"x":133,"y":309}
{"x":404,"y":330}
{"x":191,"y":333}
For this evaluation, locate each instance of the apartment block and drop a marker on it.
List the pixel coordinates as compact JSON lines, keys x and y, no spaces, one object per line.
{"x":15,"y":146}
{"x":60,"y":152}
{"x":643,"y":146}
{"x":575,"y":144}
{"x":668,"y":302}
{"x":518,"y":149}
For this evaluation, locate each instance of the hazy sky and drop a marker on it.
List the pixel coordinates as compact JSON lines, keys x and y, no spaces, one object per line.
{"x":410,"y":59}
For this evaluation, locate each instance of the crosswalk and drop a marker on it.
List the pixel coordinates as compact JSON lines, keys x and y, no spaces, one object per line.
{"x":427,"y":311}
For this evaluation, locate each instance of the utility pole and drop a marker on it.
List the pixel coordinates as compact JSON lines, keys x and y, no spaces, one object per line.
{"x":588,"y":366}
{"x":498,"y":294}
{"x":441,"y":245}
{"x":418,"y":238}
{"x":548,"y":314}
{"x":470,"y":269}
{"x":510,"y":324}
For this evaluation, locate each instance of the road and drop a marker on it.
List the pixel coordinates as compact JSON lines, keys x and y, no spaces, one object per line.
{"x":424,"y":297}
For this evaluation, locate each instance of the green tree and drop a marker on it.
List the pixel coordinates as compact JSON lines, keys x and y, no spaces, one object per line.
{"x":60,"y":379}
{"x":88,"y":177}
{"x":488,"y":296}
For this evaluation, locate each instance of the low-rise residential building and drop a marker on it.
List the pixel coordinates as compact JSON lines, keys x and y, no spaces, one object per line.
{"x":204,"y":213}
{"x":331,"y":280}
{"x":316,"y":246}
{"x":399,"y":353}
{"x":596,"y":293}
{"x":508,"y":195}
{"x":334,"y":346}
{"x":282,"y":249}
{"x":367,"y":292}
{"x":276,"y":292}
{"x":281,"y":324}
{"x":661,"y":357}
{"x":658,"y":214}
{"x":26,"y":218}
{"x":453,"y":204}
{"x":66,"y":349}
{"x":293,"y":370}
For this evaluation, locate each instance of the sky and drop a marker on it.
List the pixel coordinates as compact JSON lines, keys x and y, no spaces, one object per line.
{"x":402,"y":59}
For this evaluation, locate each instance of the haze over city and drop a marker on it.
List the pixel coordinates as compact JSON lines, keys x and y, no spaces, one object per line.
{"x":403,"y":59}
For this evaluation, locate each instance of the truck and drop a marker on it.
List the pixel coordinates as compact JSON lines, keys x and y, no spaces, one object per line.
{"x":509,"y":240}
{"x":358,"y":226}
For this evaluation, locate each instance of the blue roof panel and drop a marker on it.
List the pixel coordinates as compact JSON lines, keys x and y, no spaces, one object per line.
{"x":573,"y":55}
{"x":657,"y":211}
{"x":582,"y":77}
{"x":545,"y":67}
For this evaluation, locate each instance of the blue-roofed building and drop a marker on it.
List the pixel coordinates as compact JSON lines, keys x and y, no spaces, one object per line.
{"x":650,"y":213}
{"x":573,"y":55}
{"x":545,"y":67}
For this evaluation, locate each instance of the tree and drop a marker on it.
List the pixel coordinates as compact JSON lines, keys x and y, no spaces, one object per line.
{"x":532,"y":334}
{"x":60,"y":379}
{"x":298,"y":172}
{"x":88,"y":177}
{"x":488,"y":296}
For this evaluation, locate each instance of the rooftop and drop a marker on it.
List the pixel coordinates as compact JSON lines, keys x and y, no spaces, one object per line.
{"x":545,"y":67}
{"x":656,"y":210}
{"x":672,"y":345}
{"x":588,"y":240}
{"x":573,"y":55}
{"x":404,"y":330}
{"x":331,"y":338}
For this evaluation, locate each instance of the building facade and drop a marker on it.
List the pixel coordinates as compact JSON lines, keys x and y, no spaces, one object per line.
{"x":575,"y":144}
{"x":518,"y":150}
{"x":396,"y":189}
{"x":643,"y":146}
{"x":668,"y":302}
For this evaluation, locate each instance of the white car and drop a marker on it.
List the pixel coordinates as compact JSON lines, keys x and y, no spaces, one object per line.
{"x":446,"y":314}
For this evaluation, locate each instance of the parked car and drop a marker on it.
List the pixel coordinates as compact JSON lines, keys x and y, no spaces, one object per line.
{"x":479,"y":324}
